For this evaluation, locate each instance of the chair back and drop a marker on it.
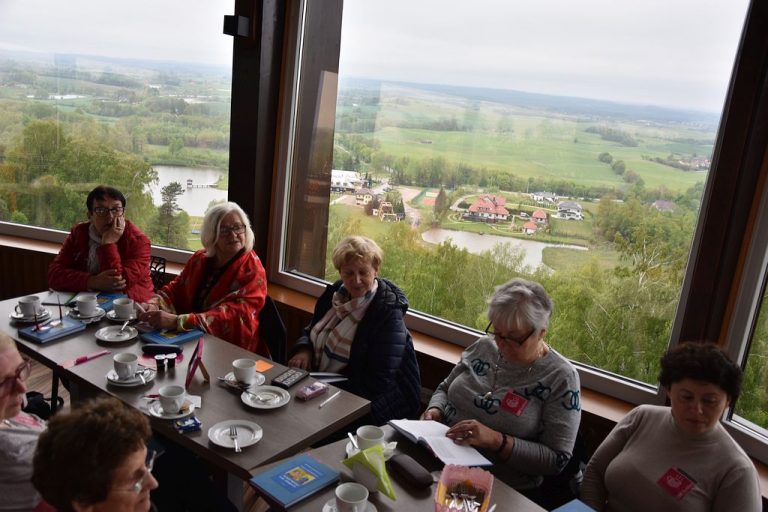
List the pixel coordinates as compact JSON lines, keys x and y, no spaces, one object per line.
{"x":157,"y":271}
{"x":272,"y":331}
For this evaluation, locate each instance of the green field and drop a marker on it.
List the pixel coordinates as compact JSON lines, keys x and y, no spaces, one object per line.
{"x":530,"y":143}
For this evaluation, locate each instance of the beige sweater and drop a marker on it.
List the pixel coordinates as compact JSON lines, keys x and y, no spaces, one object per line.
{"x":623,"y":473}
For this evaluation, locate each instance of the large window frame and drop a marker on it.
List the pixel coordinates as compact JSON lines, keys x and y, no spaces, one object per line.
{"x":727,"y":258}
{"x":725,"y":231}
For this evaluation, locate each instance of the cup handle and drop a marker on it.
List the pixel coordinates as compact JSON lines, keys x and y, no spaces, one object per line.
{"x":16,"y":308}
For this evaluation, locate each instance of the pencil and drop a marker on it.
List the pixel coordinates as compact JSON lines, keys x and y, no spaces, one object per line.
{"x":329,"y":399}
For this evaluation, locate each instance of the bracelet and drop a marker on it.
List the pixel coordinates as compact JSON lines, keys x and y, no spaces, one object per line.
{"x":503,"y":443}
{"x":180,"y":321}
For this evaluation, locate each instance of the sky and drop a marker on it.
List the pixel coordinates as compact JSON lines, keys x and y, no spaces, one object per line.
{"x":675,"y":53}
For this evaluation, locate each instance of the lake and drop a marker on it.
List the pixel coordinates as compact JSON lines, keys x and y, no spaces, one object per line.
{"x":194,"y":200}
{"x":477,"y":243}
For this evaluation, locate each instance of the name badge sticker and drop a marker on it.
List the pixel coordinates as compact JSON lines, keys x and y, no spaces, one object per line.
{"x":514,"y":403}
{"x":676,"y":483}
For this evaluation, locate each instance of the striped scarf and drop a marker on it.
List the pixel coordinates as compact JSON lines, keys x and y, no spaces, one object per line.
{"x":333,"y":335}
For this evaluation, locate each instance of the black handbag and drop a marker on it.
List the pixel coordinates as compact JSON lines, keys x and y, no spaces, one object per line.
{"x":40,"y":406}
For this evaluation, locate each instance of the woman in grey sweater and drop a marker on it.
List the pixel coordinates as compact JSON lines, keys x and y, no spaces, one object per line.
{"x":512,"y":395}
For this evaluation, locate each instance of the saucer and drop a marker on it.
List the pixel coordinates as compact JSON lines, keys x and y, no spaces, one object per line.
{"x":266,"y":397}
{"x":112,"y":334}
{"x":156,"y":410}
{"x":230,"y":381}
{"x":330,"y":506}
{"x":149,"y":375}
{"x":389,"y":449}
{"x":95,"y":316}
{"x":112,"y":317}
{"x":45,"y":314}
{"x":248,"y":433}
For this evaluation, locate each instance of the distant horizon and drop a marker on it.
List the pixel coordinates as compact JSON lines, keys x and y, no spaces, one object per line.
{"x":344,"y":80}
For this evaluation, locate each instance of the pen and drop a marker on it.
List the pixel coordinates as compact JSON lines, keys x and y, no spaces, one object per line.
{"x":329,"y":399}
{"x":88,"y":357}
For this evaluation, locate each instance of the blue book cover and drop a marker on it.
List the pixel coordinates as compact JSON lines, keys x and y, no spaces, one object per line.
{"x":574,"y":506}
{"x":171,"y":337}
{"x":48,"y":333}
{"x":294,"y":480}
{"x":104,"y":300}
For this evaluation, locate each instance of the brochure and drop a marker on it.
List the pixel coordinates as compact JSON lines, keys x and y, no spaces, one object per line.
{"x":432,"y":434}
{"x":171,"y":337}
{"x":293,"y":480}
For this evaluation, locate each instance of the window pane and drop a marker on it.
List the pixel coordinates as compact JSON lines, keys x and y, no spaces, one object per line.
{"x":138,"y":99}
{"x":753,"y":402}
{"x":566,"y":143}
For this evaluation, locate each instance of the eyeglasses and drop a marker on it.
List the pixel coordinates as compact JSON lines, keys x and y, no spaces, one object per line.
{"x":508,"y":339}
{"x":237,"y":229}
{"x":101,"y":211}
{"x":138,"y":485}
{"x":21,"y":374}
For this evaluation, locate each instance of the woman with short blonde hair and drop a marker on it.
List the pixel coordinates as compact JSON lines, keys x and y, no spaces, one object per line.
{"x":358,"y":330}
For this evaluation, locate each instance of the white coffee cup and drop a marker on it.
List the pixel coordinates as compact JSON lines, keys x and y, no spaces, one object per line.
{"x":172,"y":398}
{"x":369,"y":435}
{"x":351,"y":497}
{"x":86,"y":305}
{"x":29,"y":306}
{"x":244,"y":370}
{"x":126,"y":365}
{"x":123,"y":308}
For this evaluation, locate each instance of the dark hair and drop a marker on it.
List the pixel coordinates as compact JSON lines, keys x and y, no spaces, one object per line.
{"x":101,"y":192}
{"x":704,"y":362}
{"x":78,"y":454}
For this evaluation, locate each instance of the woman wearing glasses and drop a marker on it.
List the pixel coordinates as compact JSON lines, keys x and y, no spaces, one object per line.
{"x":222,"y":287}
{"x":677,"y":458}
{"x":108,"y":253}
{"x":511,"y":395}
{"x":18,"y":432}
{"x":95,"y":459}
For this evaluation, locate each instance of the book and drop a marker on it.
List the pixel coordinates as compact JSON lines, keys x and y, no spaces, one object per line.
{"x":104,"y":300}
{"x":66,"y":327}
{"x":432,"y":435}
{"x":171,"y":337}
{"x":294,"y":480}
{"x":574,"y":506}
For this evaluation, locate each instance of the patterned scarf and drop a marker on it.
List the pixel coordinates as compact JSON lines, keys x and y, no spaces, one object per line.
{"x":93,"y":243}
{"x":332,"y":336}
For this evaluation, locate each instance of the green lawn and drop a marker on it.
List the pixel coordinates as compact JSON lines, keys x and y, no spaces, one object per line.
{"x":560,"y":258}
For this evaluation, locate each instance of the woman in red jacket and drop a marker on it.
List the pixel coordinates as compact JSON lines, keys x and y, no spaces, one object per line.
{"x":108,"y":253}
{"x":222,"y":287}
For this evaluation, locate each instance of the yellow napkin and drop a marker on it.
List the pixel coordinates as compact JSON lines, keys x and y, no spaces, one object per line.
{"x":372,"y":459}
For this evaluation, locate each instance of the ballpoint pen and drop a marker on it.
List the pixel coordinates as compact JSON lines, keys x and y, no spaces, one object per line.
{"x":329,"y":399}
{"x":88,"y":357}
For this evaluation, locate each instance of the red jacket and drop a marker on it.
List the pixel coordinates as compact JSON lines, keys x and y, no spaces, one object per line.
{"x":231,"y":309}
{"x":130,"y":256}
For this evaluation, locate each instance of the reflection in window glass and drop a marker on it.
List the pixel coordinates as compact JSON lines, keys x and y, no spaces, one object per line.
{"x":567,"y":143}
{"x":753,"y":403}
{"x":130,"y":99}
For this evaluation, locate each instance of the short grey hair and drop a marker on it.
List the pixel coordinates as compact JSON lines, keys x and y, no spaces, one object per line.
{"x":520,"y":303}
{"x":209,"y":234}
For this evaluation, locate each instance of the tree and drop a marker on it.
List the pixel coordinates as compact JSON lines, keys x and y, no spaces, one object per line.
{"x":606,"y":158}
{"x":619,"y":167}
{"x":441,"y":205}
{"x":169,"y":227}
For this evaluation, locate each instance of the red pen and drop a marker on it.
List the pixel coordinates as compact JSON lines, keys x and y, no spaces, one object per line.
{"x":88,"y":357}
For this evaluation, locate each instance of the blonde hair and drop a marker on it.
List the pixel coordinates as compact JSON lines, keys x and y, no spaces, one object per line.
{"x":209,"y":233}
{"x":357,"y":248}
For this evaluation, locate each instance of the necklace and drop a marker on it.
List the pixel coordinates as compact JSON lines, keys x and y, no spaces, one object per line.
{"x":541,"y":353}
